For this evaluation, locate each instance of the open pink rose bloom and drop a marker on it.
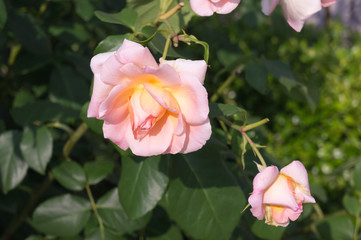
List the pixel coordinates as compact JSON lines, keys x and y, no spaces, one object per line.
{"x":278,"y":196}
{"x":296,"y":11}
{"x":148,"y":107}
{"x":208,"y":7}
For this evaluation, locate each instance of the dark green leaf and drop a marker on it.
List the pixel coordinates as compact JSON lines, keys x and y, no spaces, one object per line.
{"x":157,"y":45}
{"x":22,"y":97}
{"x":356,"y":176}
{"x":98,"y":170}
{"x":70,"y":175}
{"x":65,"y":215}
{"x":12,"y":167}
{"x":70,"y":33}
{"x":257,"y":76}
{"x":3,"y":14}
{"x":84,"y":9}
{"x":336,"y":227}
{"x":278,"y":69}
{"x":264,"y":231}
{"x":37,"y":147}
{"x":203,"y":197}
{"x":172,"y":233}
{"x":42,"y":111}
{"x":68,"y":88}
{"x":142,"y":184}
{"x":111,"y":43}
{"x":352,"y":204}
{"x":29,"y":33}
{"x":94,"y":124}
{"x":114,"y":216}
{"x":224,"y":110}
{"x":34,"y":237}
{"x":27,"y":63}
{"x":126,"y":17}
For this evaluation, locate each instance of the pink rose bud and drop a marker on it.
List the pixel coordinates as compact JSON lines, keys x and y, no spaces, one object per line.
{"x":208,"y":7}
{"x":279,"y":196}
{"x":296,"y":11}
{"x":148,"y":107}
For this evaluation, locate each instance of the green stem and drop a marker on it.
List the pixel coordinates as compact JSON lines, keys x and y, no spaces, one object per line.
{"x":225,"y":84}
{"x":74,"y":138}
{"x":357,"y":227}
{"x":171,"y":12}
{"x":166,"y":47}
{"x":62,"y":126}
{"x":254,"y":125}
{"x":255,"y":149}
{"x":318,"y":210}
{"x":28,"y":206}
{"x":94,"y":207}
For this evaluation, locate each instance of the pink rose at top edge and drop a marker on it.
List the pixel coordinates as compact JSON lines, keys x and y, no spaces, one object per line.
{"x":296,"y":11}
{"x":208,"y":7}
{"x":148,"y":107}
{"x":278,"y":196}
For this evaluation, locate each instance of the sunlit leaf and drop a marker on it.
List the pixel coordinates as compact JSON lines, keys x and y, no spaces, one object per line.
{"x":126,"y":17}
{"x":70,"y":175}
{"x":111,"y":43}
{"x":97,"y":170}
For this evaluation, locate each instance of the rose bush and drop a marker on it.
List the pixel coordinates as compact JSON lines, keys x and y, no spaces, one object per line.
{"x":148,"y":107}
{"x":279,"y":196}
{"x":208,"y":7}
{"x":296,"y":11}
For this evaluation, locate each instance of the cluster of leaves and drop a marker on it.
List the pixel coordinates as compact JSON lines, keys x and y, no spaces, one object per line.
{"x":61,"y":180}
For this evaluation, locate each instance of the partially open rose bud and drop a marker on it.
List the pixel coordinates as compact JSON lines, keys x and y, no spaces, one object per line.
{"x":278,"y":196}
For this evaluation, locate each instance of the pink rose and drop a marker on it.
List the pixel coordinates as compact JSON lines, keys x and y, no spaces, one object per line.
{"x":296,"y":11}
{"x":279,"y":196}
{"x":148,"y":107}
{"x":208,"y":7}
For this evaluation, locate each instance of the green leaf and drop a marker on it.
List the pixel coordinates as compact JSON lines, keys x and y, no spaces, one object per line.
{"x":336,"y":227}
{"x":37,"y":147}
{"x":70,"y":32}
{"x":29,"y":33}
{"x":352,"y":204}
{"x":111,"y":43}
{"x":356,"y":176}
{"x":157,"y":45}
{"x":126,"y":17}
{"x":42,"y":111}
{"x":98,"y":170}
{"x":22,"y":97}
{"x":70,"y":175}
{"x":202,"y":188}
{"x":34,"y":237}
{"x":3,"y":14}
{"x":257,"y":76}
{"x":224,"y":110}
{"x":68,"y":88}
{"x":84,"y":9}
{"x":142,"y":184}
{"x":65,"y":215}
{"x":264,"y":231}
{"x":12,"y":167}
{"x":114,"y":216}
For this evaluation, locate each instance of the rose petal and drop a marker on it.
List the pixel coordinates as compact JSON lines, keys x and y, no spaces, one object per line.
{"x":255,"y":200}
{"x":117,"y":132}
{"x":280,"y":193}
{"x":165,"y":74}
{"x":162,"y":97}
{"x":298,"y":173}
{"x":110,"y":72}
{"x":202,"y":7}
{"x":98,"y":60}
{"x":192,"y":99}
{"x":197,"y":68}
{"x":268,"y":6}
{"x":100,"y":93}
{"x":132,"y":52}
{"x":155,"y":142}
{"x":327,"y":3}
{"x":196,"y":136}
{"x":225,"y":6}
{"x":296,"y":12}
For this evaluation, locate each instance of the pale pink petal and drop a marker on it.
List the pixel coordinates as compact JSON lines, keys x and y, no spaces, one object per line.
{"x":165,"y":74}
{"x":296,"y":11}
{"x":97,"y":61}
{"x":303,"y":195}
{"x":162,"y":97}
{"x":192,"y":98}
{"x":157,"y":140}
{"x":268,"y":6}
{"x":179,"y":136}
{"x":265,"y":178}
{"x":255,"y":200}
{"x":110,"y":72}
{"x":196,"y":136}
{"x":225,"y":6}
{"x":198,"y":68}
{"x":132,"y":52}
{"x":282,"y":215}
{"x":100,"y":92}
{"x":131,"y":71}
{"x":202,"y":7}
{"x":116,"y":103}
{"x":327,"y":3}
{"x":297,"y":172}
{"x":117,"y":132}
{"x":280,"y":193}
